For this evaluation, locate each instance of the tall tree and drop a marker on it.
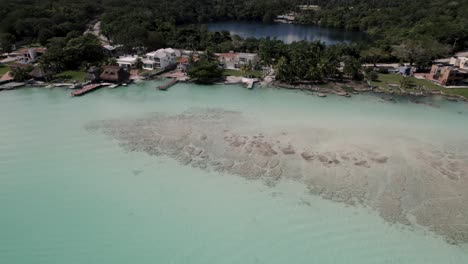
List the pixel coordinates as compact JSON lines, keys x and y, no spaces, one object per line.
{"x":7,"y":41}
{"x":420,"y":51}
{"x":374,"y":55}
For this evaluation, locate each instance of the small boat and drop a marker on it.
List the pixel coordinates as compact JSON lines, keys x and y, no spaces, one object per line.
{"x":321,"y":95}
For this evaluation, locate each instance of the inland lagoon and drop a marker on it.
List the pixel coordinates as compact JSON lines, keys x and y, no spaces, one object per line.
{"x":288,"y":33}
{"x":222,"y":174}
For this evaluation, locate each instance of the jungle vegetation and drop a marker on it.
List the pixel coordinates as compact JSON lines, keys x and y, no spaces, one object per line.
{"x":415,"y":31}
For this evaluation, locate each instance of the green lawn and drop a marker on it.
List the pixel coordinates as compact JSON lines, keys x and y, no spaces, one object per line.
{"x":385,"y":79}
{"x":3,"y":70}
{"x":72,"y":76}
{"x":258,"y":74}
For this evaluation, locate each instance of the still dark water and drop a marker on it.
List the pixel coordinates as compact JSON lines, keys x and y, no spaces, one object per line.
{"x":287,"y":32}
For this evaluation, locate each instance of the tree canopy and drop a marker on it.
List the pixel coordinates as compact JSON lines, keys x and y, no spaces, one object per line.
{"x":205,"y":71}
{"x":398,"y":20}
{"x":417,"y":31}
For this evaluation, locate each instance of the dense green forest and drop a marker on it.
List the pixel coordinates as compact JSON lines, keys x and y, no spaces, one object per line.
{"x":445,"y":21}
{"x":415,"y":31}
{"x":37,"y":21}
{"x":393,"y":21}
{"x":126,"y":22}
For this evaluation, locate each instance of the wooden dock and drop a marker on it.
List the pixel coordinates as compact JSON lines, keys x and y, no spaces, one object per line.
{"x":167,"y":85}
{"x":86,"y":89}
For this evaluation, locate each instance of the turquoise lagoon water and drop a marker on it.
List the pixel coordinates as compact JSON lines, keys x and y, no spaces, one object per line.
{"x":71,"y":196}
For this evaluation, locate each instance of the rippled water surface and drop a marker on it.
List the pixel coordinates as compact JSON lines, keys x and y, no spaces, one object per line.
{"x":287,"y":32}
{"x":71,"y":196}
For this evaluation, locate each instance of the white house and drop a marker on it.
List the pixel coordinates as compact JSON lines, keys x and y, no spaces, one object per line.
{"x":248,"y":58}
{"x":228,"y":60}
{"x":127,"y":62}
{"x":233,"y":60}
{"x":177,"y":52}
{"x":160,"y":59}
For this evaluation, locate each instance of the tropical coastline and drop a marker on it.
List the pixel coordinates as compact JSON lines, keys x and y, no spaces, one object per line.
{"x":234,"y":131}
{"x":114,"y":175}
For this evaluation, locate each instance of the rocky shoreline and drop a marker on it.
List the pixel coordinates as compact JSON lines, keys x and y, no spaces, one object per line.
{"x":346,"y":89}
{"x":423,"y":185}
{"x":356,"y":88}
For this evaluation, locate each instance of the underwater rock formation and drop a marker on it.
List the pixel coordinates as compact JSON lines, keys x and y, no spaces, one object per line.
{"x":420,"y":184}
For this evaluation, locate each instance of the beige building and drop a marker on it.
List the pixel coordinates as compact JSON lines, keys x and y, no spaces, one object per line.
{"x":460,"y":62}
{"x":448,"y":75}
{"x":235,"y":61}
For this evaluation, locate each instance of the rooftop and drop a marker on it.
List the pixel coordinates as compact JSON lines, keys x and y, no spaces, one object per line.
{"x":128,"y":59}
{"x":227,"y":55}
{"x":247,"y":54}
{"x":158,"y":54}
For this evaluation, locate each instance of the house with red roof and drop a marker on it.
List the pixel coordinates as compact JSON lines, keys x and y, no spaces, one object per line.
{"x":235,"y":61}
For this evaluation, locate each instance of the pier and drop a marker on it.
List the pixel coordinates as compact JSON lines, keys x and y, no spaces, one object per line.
{"x":86,"y":89}
{"x":249,"y":82}
{"x":167,"y":85}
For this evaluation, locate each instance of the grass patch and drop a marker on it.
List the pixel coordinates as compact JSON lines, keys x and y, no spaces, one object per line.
{"x":396,"y":78}
{"x":3,"y":70}
{"x":72,"y":76}
{"x":255,"y":73}
{"x":386,"y":79}
{"x":462,"y":92}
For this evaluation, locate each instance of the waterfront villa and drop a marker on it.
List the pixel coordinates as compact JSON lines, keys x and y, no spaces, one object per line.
{"x":160,"y":59}
{"x":127,"y":62}
{"x":454,"y":73}
{"x":448,"y":75}
{"x":183,"y":63}
{"x":114,"y":74}
{"x":233,"y":60}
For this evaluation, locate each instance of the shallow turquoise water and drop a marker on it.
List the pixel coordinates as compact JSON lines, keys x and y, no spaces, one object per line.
{"x":71,"y":196}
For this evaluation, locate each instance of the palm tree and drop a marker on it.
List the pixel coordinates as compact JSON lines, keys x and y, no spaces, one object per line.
{"x":244,"y":68}
{"x":20,"y":74}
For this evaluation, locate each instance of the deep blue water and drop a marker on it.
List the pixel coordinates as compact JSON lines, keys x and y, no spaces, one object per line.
{"x":287,"y":32}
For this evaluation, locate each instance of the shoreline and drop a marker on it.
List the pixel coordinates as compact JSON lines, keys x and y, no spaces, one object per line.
{"x":345,"y":89}
{"x":356,"y":88}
